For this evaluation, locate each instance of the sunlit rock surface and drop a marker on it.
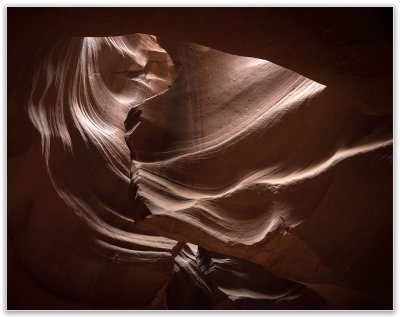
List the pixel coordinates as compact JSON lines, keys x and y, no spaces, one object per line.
{"x":81,"y":94}
{"x":150,"y":173}
{"x":250,"y":159}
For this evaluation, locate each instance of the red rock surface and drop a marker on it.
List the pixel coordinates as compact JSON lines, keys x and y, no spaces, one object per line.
{"x":269,"y":147}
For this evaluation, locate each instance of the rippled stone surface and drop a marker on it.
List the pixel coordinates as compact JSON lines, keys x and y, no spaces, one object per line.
{"x":150,"y":173}
{"x":249,"y":159}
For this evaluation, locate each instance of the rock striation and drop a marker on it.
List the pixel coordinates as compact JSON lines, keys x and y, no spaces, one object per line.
{"x":146,"y":172}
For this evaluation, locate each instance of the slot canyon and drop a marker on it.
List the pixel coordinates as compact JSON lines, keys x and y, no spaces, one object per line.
{"x":199,"y":158}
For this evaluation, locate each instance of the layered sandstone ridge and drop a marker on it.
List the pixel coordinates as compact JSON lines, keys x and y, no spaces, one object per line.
{"x":151,"y":173}
{"x":249,"y":159}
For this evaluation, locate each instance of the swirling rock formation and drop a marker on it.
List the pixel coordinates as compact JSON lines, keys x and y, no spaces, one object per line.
{"x":78,"y":104}
{"x":171,"y":175}
{"x":250,"y":159}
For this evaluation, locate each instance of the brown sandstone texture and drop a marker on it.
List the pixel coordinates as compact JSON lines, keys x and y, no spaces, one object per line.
{"x":149,"y":172}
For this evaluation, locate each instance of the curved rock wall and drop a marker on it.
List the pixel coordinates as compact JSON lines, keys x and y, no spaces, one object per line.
{"x":125,"y":153}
